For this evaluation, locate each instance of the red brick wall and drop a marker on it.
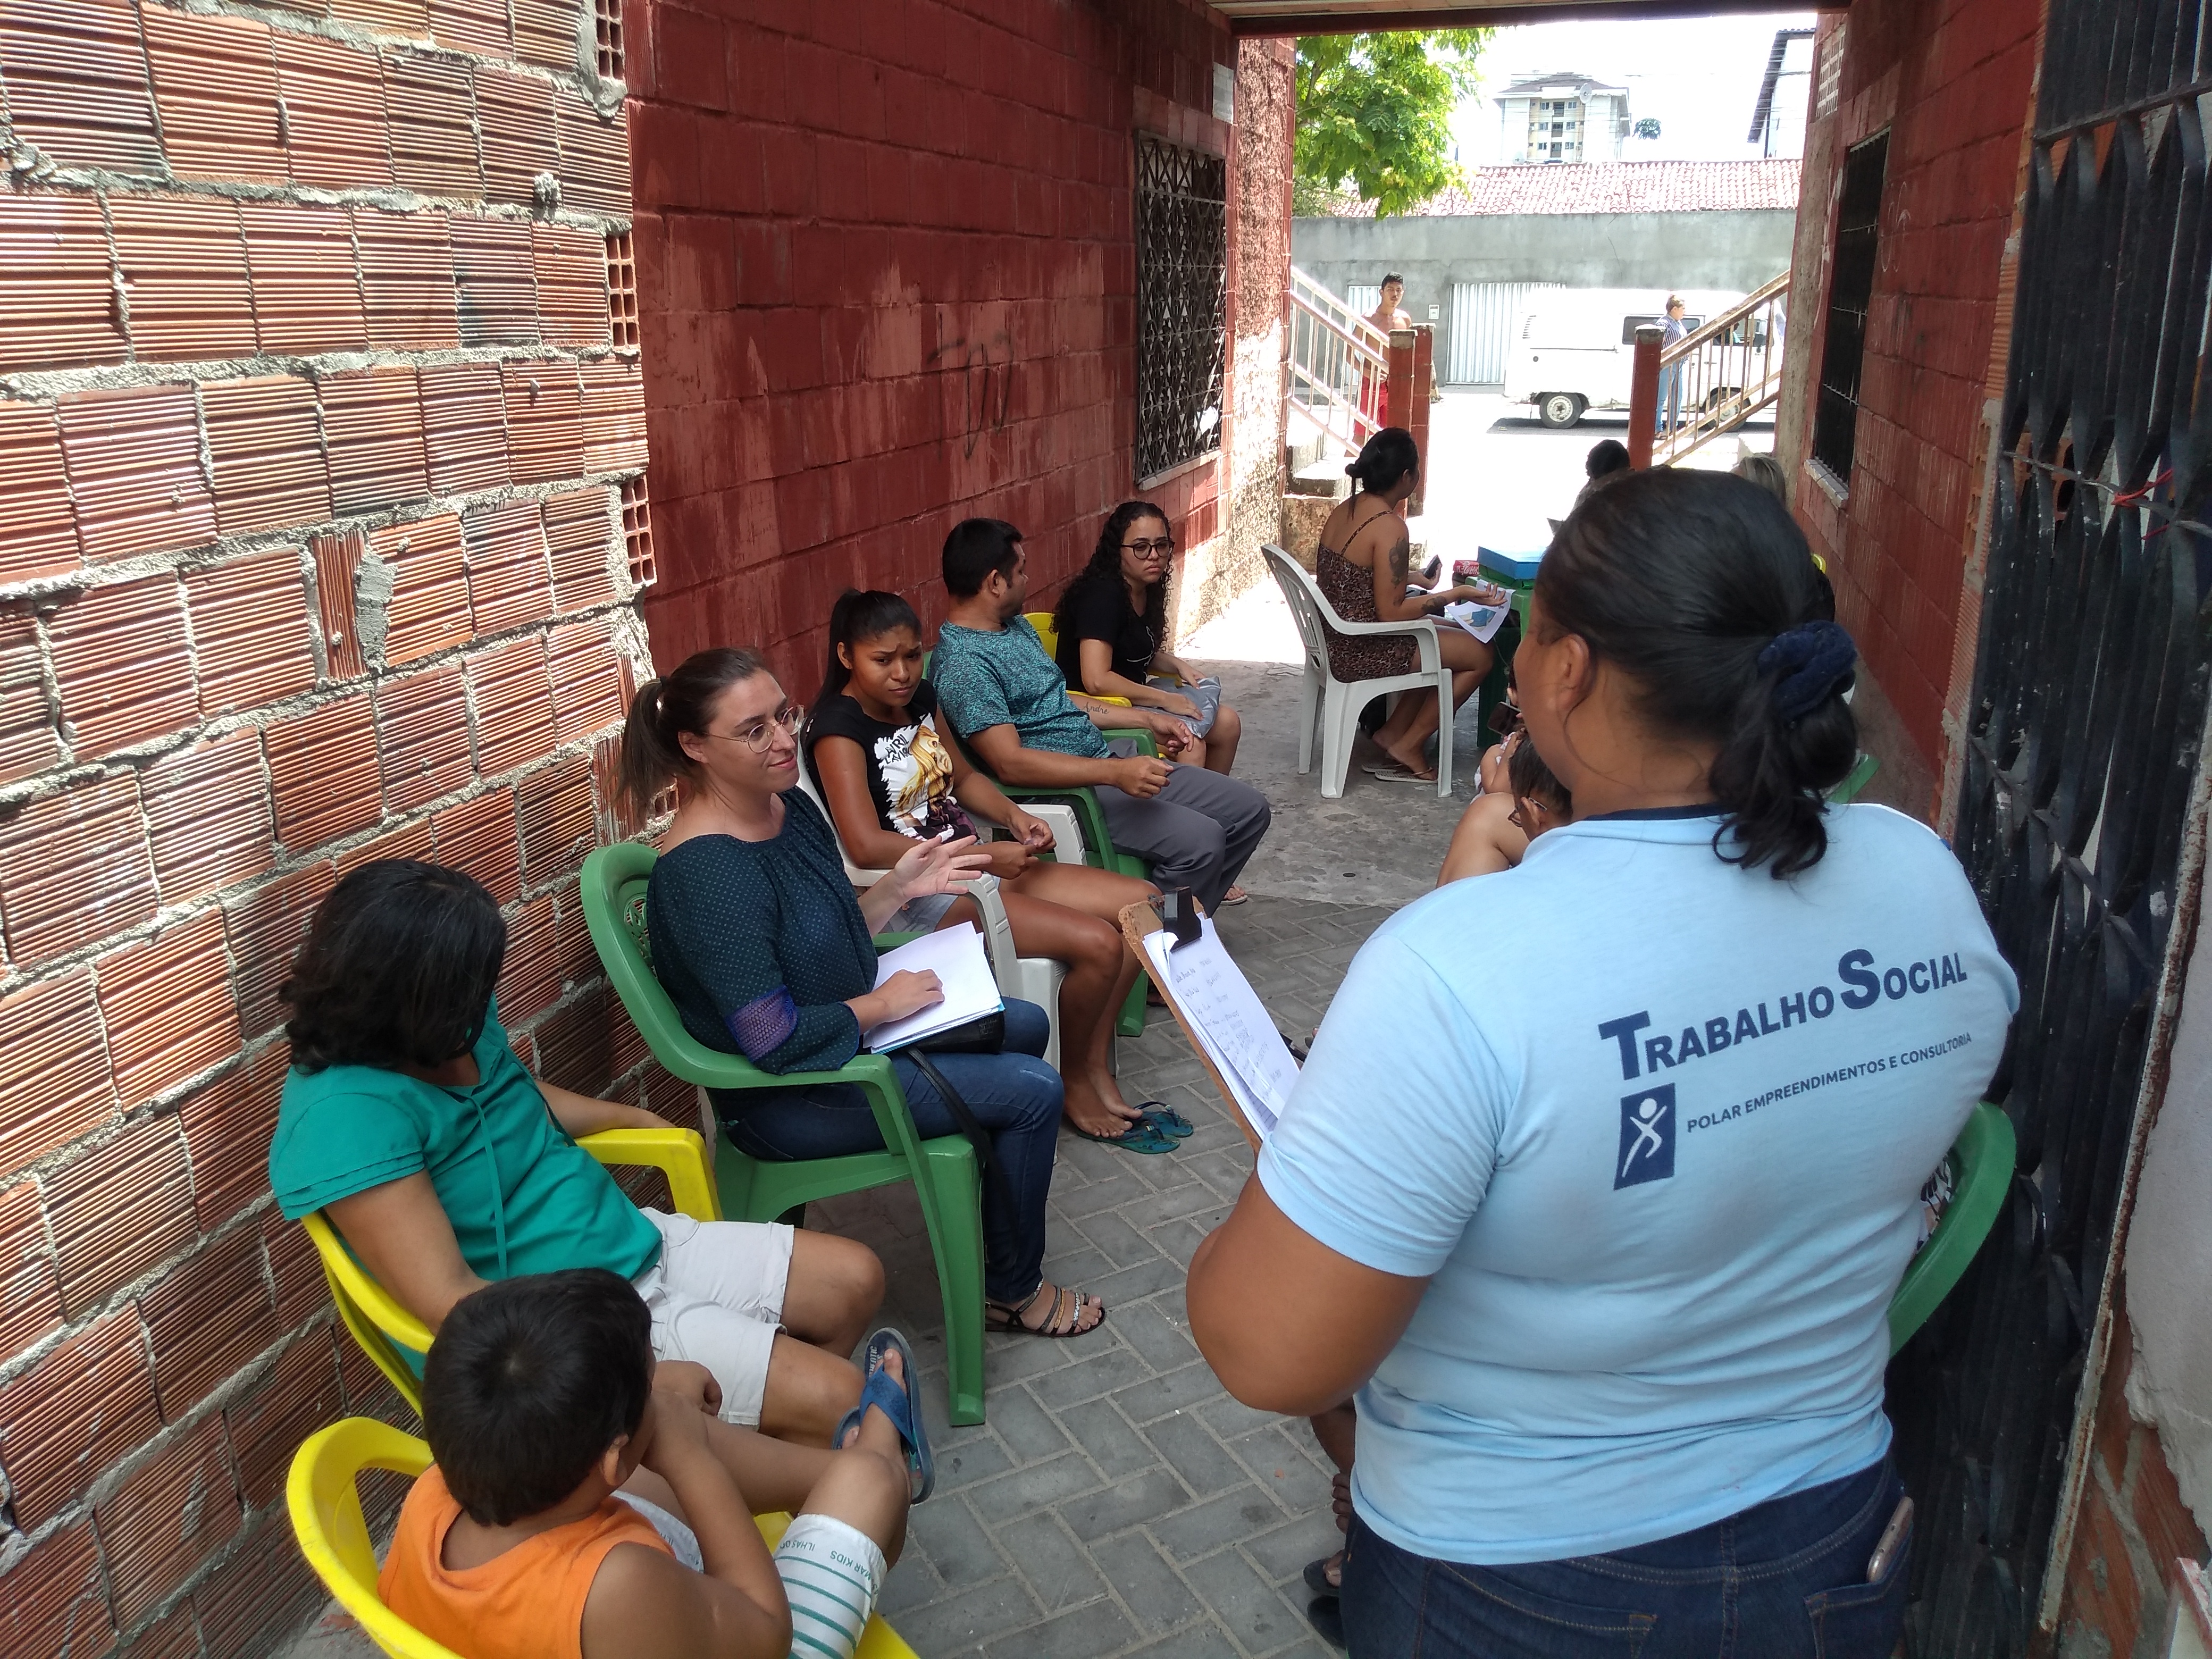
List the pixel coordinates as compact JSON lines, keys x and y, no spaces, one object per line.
{"x":2132,"y":1524}
{"x":258,"y":372}
{"x":1953,"y":84}
{"x":886,"y":265}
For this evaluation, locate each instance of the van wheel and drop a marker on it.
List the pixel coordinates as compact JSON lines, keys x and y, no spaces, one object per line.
{"x":1560,"y":410}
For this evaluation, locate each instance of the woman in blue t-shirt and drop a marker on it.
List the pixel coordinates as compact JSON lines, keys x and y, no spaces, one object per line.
{"x":1604,"y":1257}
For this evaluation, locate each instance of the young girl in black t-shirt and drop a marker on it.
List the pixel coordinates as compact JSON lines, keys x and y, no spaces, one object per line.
{"x":889,"y":777}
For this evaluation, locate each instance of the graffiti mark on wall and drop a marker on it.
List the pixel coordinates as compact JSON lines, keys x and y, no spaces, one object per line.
{"x":985,"y":368}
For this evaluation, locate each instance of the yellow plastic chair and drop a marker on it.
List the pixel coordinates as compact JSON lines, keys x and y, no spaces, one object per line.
{"x":384,"y":1328}
{"x":333,"y":1534}
{"x":1049,"y":634}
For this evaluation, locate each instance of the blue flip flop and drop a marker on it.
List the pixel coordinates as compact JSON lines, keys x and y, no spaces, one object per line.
{"x":1164,"y":1118}
{"x":884,"y":1391}
{"x":1142,"y":1136}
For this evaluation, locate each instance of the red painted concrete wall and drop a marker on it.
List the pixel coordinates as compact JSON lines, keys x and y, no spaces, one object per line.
{"x":1952,"y":83}
{"x":887,"y":276}
{"x":318,"y":439}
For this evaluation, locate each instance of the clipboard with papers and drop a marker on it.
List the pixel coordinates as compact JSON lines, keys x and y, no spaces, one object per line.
{"x":1222,"y":1017}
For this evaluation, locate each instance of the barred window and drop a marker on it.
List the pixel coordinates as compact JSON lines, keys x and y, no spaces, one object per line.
{"x":1850,"y":288}
{"x":1182,"y":278}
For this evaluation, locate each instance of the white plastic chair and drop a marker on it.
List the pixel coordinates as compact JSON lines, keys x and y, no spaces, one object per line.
{"x":1338,"y":703}
{"x":1032,"y":978}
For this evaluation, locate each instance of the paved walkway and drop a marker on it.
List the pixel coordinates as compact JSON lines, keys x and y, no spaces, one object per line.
{"x":1118,"y":1502}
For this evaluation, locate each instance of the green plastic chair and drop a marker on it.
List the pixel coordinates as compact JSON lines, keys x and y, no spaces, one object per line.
{"x":1098,"y":849}
{"x":1860,"y":776}
{"x":1982,"y":1160}
{"x":943,"y":1170}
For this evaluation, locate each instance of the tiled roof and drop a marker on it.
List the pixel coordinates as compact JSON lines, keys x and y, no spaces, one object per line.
{"x":1615,"y":187}
{"x":1532,"y":86}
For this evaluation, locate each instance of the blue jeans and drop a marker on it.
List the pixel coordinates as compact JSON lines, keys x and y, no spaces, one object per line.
{"x":1782,"y":1580}
{"x":1014,"y":1095}
{"x":1670,"y":396}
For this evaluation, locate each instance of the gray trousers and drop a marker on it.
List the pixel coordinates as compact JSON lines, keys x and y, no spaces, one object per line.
{"x":1196,"y":833}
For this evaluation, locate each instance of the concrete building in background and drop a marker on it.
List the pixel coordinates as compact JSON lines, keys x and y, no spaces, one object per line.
{"x":1472,"y":256}
{"x":1562,"y":118}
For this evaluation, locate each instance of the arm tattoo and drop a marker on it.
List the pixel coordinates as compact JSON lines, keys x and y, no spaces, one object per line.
{"x":1401,"y":549}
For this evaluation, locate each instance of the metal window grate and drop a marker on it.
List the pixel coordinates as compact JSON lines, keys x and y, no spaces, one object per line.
{"x":622,"y":290}
{"x":637,"y":531}
{"x":1850,"y":284}
{"x":1183,"y":280}
{"x":2081,"y":753}
{"x":606,"y":16}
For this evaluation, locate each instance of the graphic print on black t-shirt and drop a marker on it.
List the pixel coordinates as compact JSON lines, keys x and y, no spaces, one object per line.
{"x":917,"y":775}
{"x":909,"y":769}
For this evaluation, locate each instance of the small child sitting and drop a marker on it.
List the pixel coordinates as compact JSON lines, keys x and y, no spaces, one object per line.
{"x":1495,"y":830}
{"x":540,"y":1398}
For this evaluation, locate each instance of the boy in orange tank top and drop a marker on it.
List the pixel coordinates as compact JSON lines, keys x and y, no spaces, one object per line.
{"x":528,"y":1540}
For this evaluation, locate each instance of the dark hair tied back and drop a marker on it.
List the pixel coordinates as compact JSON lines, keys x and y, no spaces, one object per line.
{"x":1813,"y":659}
{"x":1700,"y":589}
{"x":664,"y":709}
{"x":1384,"y":458}
{"x":860,"y":614}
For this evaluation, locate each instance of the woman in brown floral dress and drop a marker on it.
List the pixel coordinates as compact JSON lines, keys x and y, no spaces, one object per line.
{"x":1360,"y":566}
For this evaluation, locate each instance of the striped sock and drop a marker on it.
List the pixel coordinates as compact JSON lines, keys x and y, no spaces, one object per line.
{"x":832,"y":1574}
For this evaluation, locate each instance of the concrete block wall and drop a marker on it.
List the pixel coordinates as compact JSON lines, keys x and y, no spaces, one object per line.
{"x":323,"y":520}
{"x":887,"y":267}
{"x":1953,"y":84}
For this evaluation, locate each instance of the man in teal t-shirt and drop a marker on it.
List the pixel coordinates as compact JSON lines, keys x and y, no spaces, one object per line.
{"x":408,"y":1121}
{"x":1009,"y":701}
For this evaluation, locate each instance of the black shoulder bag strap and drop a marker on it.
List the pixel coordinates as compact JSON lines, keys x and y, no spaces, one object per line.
{"x":977,"y":1136}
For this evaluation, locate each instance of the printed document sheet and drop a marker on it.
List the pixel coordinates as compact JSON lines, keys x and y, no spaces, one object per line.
{"x":1220,"y":1006}
{"x":956,"y":956}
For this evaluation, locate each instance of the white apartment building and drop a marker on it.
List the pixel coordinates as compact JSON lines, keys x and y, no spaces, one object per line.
{"x":1562,"y":118}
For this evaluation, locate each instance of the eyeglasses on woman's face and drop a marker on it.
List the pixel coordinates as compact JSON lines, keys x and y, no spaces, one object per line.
{"x":1159,"y":547}
{"x":761,"y":733}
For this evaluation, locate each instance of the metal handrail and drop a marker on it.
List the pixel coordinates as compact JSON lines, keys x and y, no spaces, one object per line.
{"x":1723,"y":372}
{"x":1338,"y":361}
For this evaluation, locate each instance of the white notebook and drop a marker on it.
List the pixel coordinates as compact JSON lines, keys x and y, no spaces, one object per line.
{"x":957,"y":957}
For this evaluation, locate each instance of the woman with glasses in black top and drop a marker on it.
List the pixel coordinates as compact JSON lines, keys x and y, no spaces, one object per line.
{"x":1112,"y":627}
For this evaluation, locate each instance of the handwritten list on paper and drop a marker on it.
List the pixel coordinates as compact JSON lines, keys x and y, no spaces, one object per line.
{"x":1221,"y":1009}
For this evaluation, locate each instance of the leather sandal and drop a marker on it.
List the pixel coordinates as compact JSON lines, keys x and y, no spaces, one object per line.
{"x":1067,"y":1309}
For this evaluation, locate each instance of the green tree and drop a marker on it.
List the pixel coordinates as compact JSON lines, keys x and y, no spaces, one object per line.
{"x":1374,"y":113}
{"x":1648,"y":127}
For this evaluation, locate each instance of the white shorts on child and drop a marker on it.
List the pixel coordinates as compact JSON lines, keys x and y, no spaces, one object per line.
{"x":716,"y":1297}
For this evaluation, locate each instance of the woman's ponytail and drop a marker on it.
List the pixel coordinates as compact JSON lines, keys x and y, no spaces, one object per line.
{"x":1779,"y":742}
{"x":1384,"y":458}
{"x":652,"y":755}
{"x":1700,"y":588}
{"x":649,"y":763}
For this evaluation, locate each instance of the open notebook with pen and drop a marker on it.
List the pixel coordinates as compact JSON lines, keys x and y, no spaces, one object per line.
{"x":957,"y":957}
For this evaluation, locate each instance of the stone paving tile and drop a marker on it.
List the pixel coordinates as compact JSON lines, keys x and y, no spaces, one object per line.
{"x":1117,"y":1503}
{"x":1138,"y":1509}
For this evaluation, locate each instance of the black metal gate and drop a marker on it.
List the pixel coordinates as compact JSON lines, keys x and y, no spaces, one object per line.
{"x":2081,"y":745}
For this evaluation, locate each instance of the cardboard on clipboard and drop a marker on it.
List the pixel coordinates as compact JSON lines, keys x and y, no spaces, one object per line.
{"x":1217,"y":1051}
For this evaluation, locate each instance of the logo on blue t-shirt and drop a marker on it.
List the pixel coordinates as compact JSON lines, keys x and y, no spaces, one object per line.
{"x":1647,"y":1136}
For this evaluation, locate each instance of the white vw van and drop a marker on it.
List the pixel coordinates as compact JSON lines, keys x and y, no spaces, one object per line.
{"x":1574,"y":349}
